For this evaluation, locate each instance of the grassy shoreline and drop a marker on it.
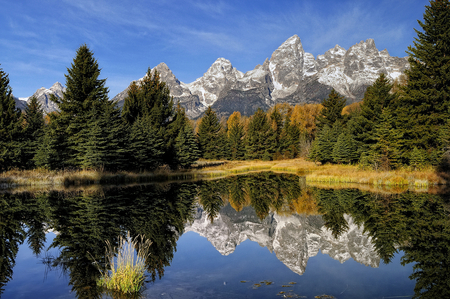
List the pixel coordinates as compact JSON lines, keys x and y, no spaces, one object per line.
{"x":315,"y":174}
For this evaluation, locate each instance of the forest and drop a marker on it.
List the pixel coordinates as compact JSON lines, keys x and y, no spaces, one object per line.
{"x":396,"y":125}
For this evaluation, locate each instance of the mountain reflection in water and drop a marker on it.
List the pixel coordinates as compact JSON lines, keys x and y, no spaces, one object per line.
{"x":277,"y":211}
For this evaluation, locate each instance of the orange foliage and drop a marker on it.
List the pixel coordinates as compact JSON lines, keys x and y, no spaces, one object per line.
{"x":352,"y":108}
{"x":304,"y":116}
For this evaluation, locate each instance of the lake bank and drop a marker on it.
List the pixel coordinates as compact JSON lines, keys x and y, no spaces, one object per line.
{"x":314,"y":173}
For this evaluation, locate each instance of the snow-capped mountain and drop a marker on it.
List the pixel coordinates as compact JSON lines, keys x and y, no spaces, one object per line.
{"x":290,"y":75}
{"x":294,"y":239}
{"x":43,"y":96}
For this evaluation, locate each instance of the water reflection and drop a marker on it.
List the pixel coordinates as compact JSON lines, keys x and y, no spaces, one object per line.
{"x":417,"y":224}
{"x":277,"y":211}
{"x":83,"y":221}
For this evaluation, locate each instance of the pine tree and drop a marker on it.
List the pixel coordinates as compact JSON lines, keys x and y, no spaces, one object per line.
{"x":93,"y":149}
{"x":208,"y":135}
{"x":34,"y":129}
{"x":423,"y":107}
{"x":235,"y":136}
{"x":332,"y":110}
{"x":150,"y":100}
{"x":260,"y":141}
{"x":84,"y":93}
{"x":149,"y":97}
{"x":345,"y":149}
{"x":277,"y":126}
{"x":186,"y":147}
{"x":377,"y":97}
{"x":146,"y":145}
{"x":322,"y":147}
{"x":48,"y":149}
{"x":10,"y":126}
{"x":418,"y":158}
{"x":290,"y":139}
{"x":386,"y":152}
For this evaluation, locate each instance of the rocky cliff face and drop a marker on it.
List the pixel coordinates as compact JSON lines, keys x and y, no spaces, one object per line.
{"x":290,"y":75}
{"x":43,"y":96}
{"x":294,"y":239}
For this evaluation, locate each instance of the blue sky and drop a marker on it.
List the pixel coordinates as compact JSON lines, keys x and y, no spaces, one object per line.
{"x":38,"y":39}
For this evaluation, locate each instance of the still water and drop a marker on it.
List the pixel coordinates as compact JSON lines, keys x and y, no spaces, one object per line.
{"x":261,"y":235}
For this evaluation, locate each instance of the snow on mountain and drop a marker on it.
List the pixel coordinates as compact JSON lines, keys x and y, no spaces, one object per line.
{"x":290,"y":75}
{"x":43,"y":96}
{"x":294,"y":239}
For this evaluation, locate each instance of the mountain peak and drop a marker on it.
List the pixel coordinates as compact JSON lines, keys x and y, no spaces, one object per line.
{"x":293,"y":40}
{"x":162,"y":65}
{"x":57,"y":86}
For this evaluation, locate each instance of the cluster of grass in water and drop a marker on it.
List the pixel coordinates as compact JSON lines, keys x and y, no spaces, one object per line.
{"x":126,"y":271}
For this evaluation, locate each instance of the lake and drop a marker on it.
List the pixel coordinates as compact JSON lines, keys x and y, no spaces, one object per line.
{"x":258,"y":235}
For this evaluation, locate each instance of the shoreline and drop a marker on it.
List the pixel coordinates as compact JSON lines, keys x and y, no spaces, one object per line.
{"x":328,"y":174}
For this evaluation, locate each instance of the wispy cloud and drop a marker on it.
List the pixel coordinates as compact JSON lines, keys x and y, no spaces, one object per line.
{"x":213,"y":8}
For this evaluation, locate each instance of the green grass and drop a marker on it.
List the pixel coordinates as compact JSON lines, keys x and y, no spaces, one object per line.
{"x":126,"y":270}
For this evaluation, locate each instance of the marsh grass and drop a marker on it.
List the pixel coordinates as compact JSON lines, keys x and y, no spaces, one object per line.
{"x":324,"y":174}
{"x":126,"y":271}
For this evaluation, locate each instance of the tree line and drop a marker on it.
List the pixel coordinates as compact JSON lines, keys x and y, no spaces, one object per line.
{"x":90,"y":132}
{"x":402,"y":123}
{"x":395,"y":125}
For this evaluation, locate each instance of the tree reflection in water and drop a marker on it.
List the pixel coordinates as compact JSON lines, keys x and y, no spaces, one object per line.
{"x":416,"y":223}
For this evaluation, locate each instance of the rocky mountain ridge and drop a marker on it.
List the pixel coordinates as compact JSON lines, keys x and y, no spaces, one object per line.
{"x":294,"y":239}
{"x":43,"y":96}
{"x":290,"y":75}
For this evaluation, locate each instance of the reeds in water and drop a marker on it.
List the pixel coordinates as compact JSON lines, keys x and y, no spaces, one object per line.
{"x":127,"y":269}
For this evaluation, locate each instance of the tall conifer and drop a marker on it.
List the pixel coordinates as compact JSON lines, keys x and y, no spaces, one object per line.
{"x":10,"y":126}
{"x":235,"y":136}
{"x":85,"y":93}
{"x":208,"y":135}
{"x":377,"y":97}
{"x":332,"y":110}
{"x":34,"y":129}
{"x":423,"y":108}
{"x":260,"y":141}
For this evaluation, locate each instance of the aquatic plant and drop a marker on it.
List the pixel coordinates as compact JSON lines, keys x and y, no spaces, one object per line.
{"x":126,"y":271}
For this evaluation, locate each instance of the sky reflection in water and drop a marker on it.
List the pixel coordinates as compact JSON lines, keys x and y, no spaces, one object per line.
{"x":251,"y":240}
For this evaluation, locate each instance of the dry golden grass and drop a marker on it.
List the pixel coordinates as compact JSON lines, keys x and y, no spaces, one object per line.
{"x":315,"y":173}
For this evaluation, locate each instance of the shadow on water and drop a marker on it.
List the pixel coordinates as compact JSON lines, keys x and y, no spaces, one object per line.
{"x":416,"y":223}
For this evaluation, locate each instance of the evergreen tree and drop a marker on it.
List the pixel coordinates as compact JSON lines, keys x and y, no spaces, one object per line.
{"x":223,"y":143}
{"x":322,"y":147}
{"x":84,"y":93}
{"x":146,"y":145}
{"x":277,"y":126}
{"x":377,"y":97}
{"x":235,"y":136}
{"x":94,"y":147}
{"x":290,"y":138}
{"x":345,"y":149}
{"x":386,"y":152}
{"x":418,"y":158}
{"x":47,"y":151}
{"x":34,"y":129}
{"x":423,"y":107}
{"x":149,"y":97}
{"x":186,"y":147}
{"x":332,"y":110}
{"x":10,"y":126}
{"x":208,"y":135}
{"x":260,"y":139}
{"x":149,"y":100}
